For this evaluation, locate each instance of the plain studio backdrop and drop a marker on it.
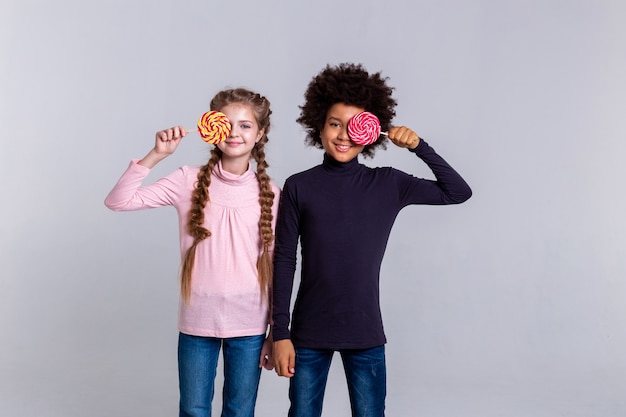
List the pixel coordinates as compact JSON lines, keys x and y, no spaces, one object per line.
{"x":510,"y":305}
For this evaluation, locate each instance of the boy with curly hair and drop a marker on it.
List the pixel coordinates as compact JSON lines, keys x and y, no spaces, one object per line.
{"x":342,"y":213}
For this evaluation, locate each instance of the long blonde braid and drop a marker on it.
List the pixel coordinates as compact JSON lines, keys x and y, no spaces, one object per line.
{"x":266,"y":200}
{"x":195,"y":223}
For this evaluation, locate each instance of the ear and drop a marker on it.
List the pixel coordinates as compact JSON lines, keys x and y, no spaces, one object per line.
{"x":259,"y":135}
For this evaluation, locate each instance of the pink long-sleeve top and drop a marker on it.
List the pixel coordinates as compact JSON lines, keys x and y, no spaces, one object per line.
{"x":225,"y":299}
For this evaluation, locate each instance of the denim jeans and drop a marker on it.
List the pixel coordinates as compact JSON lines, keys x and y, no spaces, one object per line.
{"x":197,"y":364}
{"x":365,"y":373}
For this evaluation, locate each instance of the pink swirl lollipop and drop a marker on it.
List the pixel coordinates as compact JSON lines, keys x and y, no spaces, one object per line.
{"x":364,"y":128}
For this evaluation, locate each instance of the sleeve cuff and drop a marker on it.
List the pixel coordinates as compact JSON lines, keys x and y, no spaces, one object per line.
{"x":420,"y":147}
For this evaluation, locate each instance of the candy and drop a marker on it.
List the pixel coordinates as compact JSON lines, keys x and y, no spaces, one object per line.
{"x":364,"y":128}
{"x":214,"y":127}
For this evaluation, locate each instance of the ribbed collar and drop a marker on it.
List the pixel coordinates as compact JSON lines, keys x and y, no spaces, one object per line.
{"x":233,"y":179}
{"x":332,"y":166}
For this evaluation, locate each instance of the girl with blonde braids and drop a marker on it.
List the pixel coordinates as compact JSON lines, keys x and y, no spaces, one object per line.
{"x":227,"y":214}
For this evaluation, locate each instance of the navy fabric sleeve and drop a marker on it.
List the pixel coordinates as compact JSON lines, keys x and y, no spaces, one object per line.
{"x":449,"y":187}
{"x":287,"y":234}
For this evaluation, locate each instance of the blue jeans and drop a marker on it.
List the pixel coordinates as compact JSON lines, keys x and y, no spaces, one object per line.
{"x":197,"y":364}
{"x":365,"y":373}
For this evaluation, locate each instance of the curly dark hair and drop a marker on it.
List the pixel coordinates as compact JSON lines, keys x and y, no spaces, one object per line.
{"x":350,"y":84}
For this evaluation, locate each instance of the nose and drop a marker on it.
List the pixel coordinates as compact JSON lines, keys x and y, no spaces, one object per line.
{"x":343,"y":134}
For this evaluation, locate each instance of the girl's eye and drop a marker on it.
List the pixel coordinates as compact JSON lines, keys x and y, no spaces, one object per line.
{"x":335,"y":124}
{"x":244,"y":126}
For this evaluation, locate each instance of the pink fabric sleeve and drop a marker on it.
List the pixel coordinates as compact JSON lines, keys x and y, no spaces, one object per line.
{"x":128,"y":194}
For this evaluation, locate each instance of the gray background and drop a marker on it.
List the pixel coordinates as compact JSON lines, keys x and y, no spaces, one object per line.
{"x":512,"y":304}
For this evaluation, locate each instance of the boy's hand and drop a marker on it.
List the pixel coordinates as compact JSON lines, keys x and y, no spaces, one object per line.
{"x":403,"y":137}
{"x":284,"y":358}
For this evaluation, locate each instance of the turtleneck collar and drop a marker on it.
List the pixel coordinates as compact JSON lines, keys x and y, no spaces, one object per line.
{"x":233,"y":179}
{"x":332,"y":166}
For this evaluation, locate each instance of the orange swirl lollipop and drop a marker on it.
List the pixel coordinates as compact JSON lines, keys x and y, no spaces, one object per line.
{"x":364,"y":128}
{"x":214,"y":127}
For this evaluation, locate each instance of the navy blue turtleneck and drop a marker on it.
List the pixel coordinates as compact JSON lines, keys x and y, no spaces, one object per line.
{"x":343,"y":213}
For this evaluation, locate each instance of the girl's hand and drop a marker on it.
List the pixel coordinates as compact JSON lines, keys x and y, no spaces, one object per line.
{"x":403,"y":137}
{"x":266,"y":361}
{"x":165,"y":143}
{"x":167,"y":140}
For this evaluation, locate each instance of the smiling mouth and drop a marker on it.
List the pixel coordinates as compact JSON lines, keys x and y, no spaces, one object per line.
{"x":343,"y":147}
